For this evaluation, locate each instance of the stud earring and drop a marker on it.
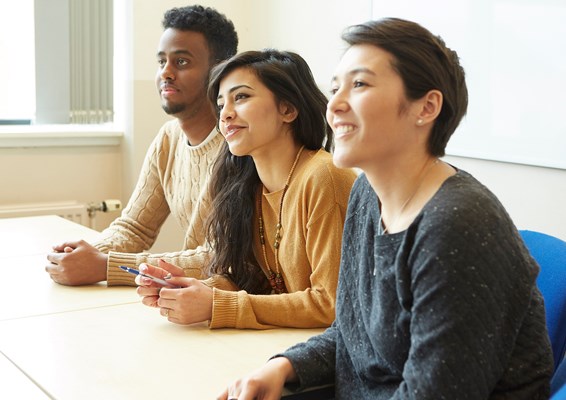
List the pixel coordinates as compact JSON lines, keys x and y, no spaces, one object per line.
{"x":419,"y":122}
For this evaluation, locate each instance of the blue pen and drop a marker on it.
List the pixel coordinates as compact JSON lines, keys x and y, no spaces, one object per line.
{"x":153,"y":278}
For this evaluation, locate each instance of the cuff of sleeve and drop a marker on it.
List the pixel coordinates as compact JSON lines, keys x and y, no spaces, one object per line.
{"x":102,"y":248}
{"x":117,"y":276}
{"x":220,"y":282}
{"x":224,"y":309}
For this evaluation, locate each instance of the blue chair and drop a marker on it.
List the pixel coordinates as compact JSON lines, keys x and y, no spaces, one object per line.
{"x":558,"y":383}
{"x":560,"y":395}
{"x":550,"y":254}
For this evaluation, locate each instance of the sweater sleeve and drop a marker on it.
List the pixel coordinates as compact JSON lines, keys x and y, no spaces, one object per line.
{"x":192,"y":259}
{"x":314,"y":361}
{"x":137,"y":227}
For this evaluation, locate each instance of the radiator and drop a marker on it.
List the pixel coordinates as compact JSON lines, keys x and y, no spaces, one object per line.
{"x":71,"y":210}
{"x":91,"y":61}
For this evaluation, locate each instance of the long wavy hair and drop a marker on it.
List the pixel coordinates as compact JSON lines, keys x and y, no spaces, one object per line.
{"x":234,"y":181}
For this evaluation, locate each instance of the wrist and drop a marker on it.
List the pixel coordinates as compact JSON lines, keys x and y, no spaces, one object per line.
{"x":285,"y":368}
{"x":103,"y":267}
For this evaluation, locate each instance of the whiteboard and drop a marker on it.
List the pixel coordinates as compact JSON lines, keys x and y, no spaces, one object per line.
{"x":514,"y":55}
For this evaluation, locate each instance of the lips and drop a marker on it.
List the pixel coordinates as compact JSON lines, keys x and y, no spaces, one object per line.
{"x":343,"y":129}
{"x":167,"y":89}
{"x":231,"y":130}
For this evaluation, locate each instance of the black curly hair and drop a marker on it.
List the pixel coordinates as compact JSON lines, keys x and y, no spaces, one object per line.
{"x":218,"y":30}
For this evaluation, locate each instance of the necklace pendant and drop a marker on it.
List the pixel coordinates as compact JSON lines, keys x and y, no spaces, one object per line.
{"x":272,"y":280}
{"x":280,"y":284}
{"x":277,"y":283}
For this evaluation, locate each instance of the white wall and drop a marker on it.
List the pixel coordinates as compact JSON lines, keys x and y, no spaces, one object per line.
{"x":535,"y":197}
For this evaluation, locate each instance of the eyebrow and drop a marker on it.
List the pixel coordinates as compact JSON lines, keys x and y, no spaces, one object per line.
{"x":355,"y":71}
{"x":176,"y":52}
{"x":233,"y":89}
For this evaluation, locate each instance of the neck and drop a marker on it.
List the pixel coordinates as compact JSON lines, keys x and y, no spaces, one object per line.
{"x":197,"y":128}
{"x":273,"y":168}
{"x":404,"y":191}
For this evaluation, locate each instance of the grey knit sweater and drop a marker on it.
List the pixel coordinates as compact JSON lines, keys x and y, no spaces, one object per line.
{"x":447,"y":309}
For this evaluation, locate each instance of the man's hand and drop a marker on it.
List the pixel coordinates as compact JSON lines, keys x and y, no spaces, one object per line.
{"x":77,"y":263}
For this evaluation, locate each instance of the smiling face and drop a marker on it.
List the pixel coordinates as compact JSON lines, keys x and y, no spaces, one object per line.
{"x":251,"y":120}
{"x":183,"y":66}
{"x":368,"y":111}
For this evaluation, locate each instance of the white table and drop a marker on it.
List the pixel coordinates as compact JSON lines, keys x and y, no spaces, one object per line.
{"x":36,"y":235}
{"x":15,"y":385}
{"x":95,"y":342}
{"x":27,"y":289}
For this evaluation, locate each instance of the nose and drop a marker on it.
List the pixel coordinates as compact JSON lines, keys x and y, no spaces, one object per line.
{"x":337,"y":102}
{"x":226,"y":113}
{"x":166,"y":72}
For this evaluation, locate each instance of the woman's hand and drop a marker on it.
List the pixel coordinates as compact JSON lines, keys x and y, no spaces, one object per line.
{"x":189,"y":302}
{"x":149,"y":290}
{"x":265,"y":383}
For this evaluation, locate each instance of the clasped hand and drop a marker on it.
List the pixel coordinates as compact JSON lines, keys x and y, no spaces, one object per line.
{"x":188,"y":302}
{"x":76,"y":263}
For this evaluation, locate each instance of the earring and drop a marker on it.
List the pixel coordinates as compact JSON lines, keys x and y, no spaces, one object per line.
{"x":419,"y":122}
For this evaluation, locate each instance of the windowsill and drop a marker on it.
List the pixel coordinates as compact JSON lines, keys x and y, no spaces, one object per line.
{"x":14,"y":136}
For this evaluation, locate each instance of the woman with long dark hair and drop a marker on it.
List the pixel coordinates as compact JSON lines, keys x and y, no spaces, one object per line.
{"x":278,"y":204}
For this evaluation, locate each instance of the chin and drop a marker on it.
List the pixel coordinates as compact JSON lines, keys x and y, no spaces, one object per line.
{"x":235,"y":150}
{"x":172,"y":109}
{"x":341,"y":158}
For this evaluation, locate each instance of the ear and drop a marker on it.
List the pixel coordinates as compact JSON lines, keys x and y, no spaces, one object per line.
{"x":288,"y":112}
{"x":430,"y":105}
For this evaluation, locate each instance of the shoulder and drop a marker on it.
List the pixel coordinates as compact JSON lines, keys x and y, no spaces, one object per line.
{"x":466,"y":221}
{"x":168,"y":135}
{"x":171,"y":129}
{"x":320,"y":185}
{"x":320,"y":172}
{"x":462,"y":200}
{"x":319,"y":180}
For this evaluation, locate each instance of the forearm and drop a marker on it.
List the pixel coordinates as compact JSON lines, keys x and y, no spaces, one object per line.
{"x":191,"y":261}
{"x":305,"y":309}
{"x":313,"y":362}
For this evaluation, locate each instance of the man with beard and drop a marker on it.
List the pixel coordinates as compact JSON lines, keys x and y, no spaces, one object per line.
{"x":178,"y":163}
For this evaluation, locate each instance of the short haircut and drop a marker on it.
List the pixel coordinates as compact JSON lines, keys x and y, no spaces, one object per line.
{"x":218,"y":30}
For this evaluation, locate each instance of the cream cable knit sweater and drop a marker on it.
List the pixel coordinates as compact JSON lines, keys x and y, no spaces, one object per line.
{"x":173,"y":180}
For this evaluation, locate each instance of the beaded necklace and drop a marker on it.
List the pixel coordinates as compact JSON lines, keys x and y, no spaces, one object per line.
{"x":275,"y":278}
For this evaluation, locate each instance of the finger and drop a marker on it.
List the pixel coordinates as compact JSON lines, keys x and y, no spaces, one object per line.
{"x":150,"y":301}
{"x":148,"y":291}
{"x":166,"y":312}
{"x":53,"y":269}
{"x":165,"y":303}
{"x":180,"y":282}
{"x":173,"y":269}
{"x":55,"y":258}
{"x":153,"y":270}
{"x":73,"y":244}
{"x":223,"y":395}
{"x":68,"y":249}
{"x":247,"y":394}
{"x":169,"y":293}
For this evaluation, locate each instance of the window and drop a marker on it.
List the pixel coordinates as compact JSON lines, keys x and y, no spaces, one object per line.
{"x":60,"y":68}
{"x":17,"y":73}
